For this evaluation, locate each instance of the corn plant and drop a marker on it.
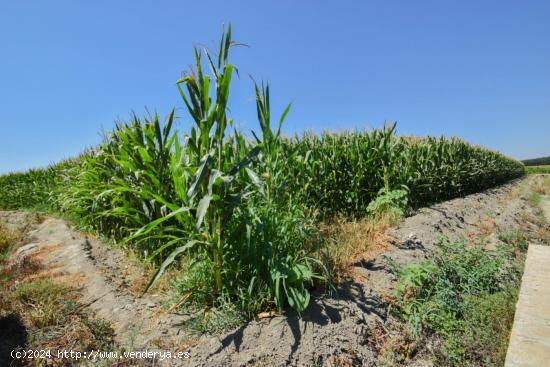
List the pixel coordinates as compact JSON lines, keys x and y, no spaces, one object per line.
{"x":343,"y":173}
{"x":124,"y":185}
{"x":214,"y":175}
{"x":35,"y":188}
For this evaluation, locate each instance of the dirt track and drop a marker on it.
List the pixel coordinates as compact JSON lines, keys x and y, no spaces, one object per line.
{"x":334,"y":330}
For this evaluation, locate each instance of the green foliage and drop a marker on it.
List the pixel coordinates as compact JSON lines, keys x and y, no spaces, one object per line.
{"x":453,"y":296}
{"x":538,"y":169}
{"x":488,"y":319}
{"x":225,"y":316}
{"x":344,"y":172}
{"x":213,"y":198}
{"x":514,"y":238}
{"x":123,"y":183}
{"x":35,"y":188}
{"x":393,"y":202}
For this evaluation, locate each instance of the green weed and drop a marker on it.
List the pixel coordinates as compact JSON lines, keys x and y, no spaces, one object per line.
{"x":465,"y":296}
{"x":393,"y":202}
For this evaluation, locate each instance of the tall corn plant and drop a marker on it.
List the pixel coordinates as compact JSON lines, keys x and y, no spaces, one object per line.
{"x":209,"y":165}
{"x":254,"y":238}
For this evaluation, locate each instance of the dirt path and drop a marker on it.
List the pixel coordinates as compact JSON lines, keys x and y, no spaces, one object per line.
{"x":103,"y":276}
{"x":334,"y":330}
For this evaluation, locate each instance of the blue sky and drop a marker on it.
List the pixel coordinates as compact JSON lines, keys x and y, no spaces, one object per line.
{"x":475,"y":69}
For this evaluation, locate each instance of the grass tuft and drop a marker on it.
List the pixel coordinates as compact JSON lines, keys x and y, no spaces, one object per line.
{"x":8,"y":239}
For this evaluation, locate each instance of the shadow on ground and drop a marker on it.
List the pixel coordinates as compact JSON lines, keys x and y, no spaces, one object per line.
{"x":13,"y":335}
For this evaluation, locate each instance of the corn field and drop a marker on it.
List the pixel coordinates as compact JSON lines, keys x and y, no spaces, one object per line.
{"x":238,"y":214}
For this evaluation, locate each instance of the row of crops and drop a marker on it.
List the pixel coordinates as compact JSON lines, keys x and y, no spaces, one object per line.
{"x":239,"y":214}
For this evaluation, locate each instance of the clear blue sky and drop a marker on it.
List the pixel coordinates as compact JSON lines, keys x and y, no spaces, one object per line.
{"x":475,"y":69}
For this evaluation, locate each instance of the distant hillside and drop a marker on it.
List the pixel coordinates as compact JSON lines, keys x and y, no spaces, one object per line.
{"x":537,"y":161}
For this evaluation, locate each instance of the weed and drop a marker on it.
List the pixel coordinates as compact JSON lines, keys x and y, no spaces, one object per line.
{"x":224,"y":317}
{"x":51,"y":317}
{"x":515,"y":238}
{"x":41,"y":298}
{"x":535,"y":198}
{"x":488,"y":319}
{"x":392,"y":202}
{"x":460,"y":296}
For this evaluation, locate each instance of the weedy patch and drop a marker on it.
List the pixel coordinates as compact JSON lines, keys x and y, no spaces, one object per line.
{"x":393,"y":343}
{"x":515,"y":238}
{"x":214,"y":321}
{"x":535,"y":198}
{"x":38,"y":301}
{"x":464,"y":296}
{"x":487,"y":226}
{"x":40,"y":313}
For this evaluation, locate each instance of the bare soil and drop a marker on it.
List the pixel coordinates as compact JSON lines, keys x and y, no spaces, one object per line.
{"x":343,"y":329}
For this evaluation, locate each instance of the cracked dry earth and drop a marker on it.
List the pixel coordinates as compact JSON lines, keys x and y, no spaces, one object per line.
{"x":334,"y":330}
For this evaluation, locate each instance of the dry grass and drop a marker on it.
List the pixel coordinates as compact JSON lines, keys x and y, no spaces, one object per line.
{"x":52,"y":318}
{"x":48,"y":313}
{"x":541,"y":185}
{"x":339,"y":361}
{"x":393,"y":343}
{"x":351,"y":241}
{"x":38,"y":302}
{"x":487,"y":226}
{"x":8,"y":239}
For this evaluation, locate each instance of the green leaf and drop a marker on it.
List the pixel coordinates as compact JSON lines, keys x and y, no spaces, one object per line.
{"x":167,"y":262}
{"x":199,"y":176}
{"x":152,"y":225}
{"x":255,"y":179}
{"x":245,"y":161}
{"x":202,"y":208}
